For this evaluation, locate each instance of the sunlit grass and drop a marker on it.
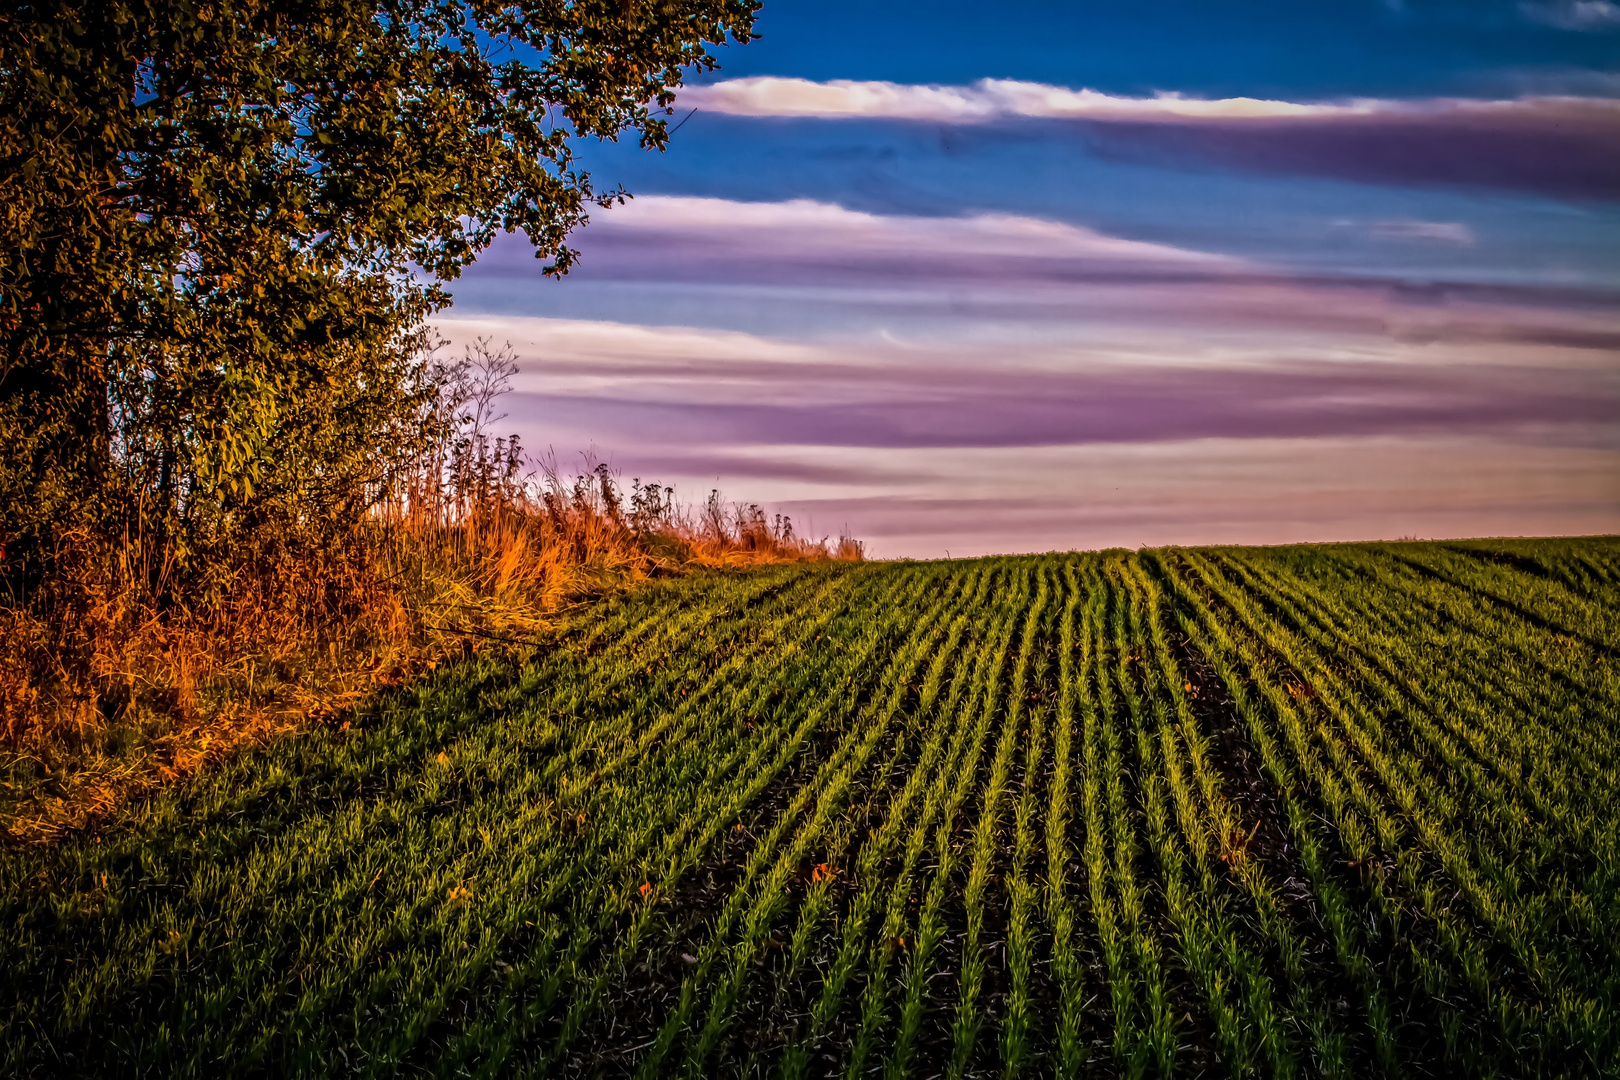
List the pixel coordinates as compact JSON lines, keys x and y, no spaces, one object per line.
{"x":112,"y":685}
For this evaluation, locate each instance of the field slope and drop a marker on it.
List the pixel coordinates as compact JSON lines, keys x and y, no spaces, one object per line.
{"x":1342,"y":810}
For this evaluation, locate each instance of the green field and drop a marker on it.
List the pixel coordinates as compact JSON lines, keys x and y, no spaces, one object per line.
{"x":1342,"y":810}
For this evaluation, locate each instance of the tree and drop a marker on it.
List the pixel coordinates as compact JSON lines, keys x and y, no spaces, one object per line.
{"x":224,"y":221}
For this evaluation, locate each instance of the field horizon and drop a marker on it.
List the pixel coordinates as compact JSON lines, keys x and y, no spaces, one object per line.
{"x":1297,"y":810}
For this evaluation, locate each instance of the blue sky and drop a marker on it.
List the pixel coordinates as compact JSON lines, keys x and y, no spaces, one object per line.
{"x":1275,"y":48}
{"x":1095,"y":300}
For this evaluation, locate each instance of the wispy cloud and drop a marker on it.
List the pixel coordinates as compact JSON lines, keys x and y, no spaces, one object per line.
{"x":1574,"y":14}
{"x":1448,"y":232}
{"x":1031,"y":270}
{"x":685,"y":386}
{"x":810,"y":229}
{"x":985,"y":100}
{"x":967,"y":380}
{"x":997,"y":99}
{"x":1559,"y":145}
{"x":925,"y":445}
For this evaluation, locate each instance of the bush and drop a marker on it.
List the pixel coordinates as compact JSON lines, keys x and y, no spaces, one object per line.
{"x":126,"y":669}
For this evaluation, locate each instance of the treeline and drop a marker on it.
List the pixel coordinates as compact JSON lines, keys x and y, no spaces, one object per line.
{"x":233,"y":467}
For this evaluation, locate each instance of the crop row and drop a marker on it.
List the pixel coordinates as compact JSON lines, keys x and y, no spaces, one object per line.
{"x":1336,"y":811}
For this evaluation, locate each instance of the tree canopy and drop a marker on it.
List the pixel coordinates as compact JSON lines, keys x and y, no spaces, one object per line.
{"x":223,"y":222}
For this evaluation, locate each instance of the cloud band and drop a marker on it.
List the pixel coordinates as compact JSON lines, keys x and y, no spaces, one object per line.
{"x":1558,"y":145}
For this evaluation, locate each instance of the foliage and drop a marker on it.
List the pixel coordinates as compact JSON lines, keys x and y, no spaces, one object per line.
{"x":109,"y":686}
{"x":223,"y":221}
{"x":1340,"y":811}
{"x":222,"y":225}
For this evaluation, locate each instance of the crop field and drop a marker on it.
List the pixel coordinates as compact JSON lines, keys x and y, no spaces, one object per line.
{"x":1346,"y":810}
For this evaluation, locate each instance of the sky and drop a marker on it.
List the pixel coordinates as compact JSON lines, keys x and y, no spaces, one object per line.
{"x":963,"y":278}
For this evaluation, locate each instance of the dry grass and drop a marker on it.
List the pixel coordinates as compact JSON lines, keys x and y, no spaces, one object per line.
{"x":110,"y":684}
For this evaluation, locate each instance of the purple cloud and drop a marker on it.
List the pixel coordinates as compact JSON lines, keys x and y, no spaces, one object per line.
{"x":1091,"y":384}
{"x":1564,"y":147}
{"x":1117,"y":328}
{"x":1567,"y":150}
{"x":924,"y":408}
{"x":1030,"y":269}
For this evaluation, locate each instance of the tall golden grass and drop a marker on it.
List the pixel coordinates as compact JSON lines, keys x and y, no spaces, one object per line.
{"x":109,"y":685}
